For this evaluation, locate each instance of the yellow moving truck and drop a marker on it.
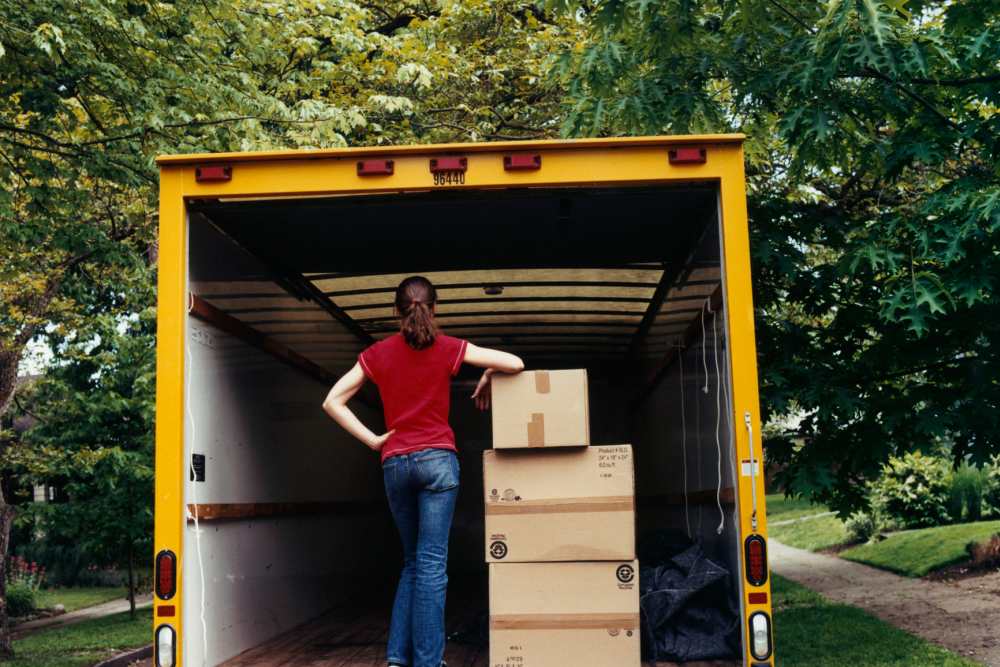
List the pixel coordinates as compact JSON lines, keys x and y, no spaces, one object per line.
{"x":627,"y":257}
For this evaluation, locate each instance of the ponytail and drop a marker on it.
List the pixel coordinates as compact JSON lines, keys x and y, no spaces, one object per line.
{"x":415,"y":298}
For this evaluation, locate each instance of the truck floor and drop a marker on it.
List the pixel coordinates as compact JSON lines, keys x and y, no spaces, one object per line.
{"x":355,"y":637}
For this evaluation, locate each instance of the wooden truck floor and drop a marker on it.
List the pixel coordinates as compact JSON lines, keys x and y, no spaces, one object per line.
{"x":355,"y":637}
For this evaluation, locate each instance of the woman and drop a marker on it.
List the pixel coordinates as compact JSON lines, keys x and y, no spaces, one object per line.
{"x":413,"y":371}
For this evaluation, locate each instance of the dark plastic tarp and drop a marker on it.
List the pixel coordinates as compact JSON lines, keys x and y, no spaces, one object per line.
{"x":687,"y":605}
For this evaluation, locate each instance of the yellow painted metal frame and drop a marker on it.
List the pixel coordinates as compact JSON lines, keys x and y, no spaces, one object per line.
{"x":588,"y":162}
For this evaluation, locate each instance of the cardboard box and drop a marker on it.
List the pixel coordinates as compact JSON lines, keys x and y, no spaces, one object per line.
{"x":580,"y":614}
{"x":540,"y":409}
{"x":560,"y":504}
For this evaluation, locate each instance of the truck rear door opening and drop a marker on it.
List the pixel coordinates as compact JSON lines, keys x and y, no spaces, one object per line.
{"x":625,"y":257}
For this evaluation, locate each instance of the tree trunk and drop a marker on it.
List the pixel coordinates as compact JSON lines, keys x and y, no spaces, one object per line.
{"x":6,"y":519}
{"x":9,"y":361}
{"x":131,"y":579}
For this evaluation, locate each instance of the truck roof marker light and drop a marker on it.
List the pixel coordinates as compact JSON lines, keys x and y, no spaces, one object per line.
{"x":687,"y":155}
{"x":166,"y":646}
{"x":213,"y":173}
{"x":451,"y":163}
{"x":755,"y":557}
{"x":166,"y":574}
{"x":522,"y":162}
{"x":760,"y":636}
{"x":376,"y":167}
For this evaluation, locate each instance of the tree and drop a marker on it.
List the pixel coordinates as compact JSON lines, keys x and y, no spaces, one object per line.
{"x":91,"y":92}
{"x":872,"y":158}
{"x":93,"y":440}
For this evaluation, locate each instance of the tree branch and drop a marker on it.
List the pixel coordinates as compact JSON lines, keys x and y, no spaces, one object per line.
{"x":968,"y":81}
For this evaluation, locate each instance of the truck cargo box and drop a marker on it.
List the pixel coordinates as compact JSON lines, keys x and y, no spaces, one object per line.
{"x":625,"y":257}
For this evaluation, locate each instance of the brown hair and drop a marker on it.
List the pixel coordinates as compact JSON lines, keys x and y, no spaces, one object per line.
{"x":415,"y":299}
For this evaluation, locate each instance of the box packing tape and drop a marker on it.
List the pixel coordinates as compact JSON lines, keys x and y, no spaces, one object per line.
{"x":564,"y":505}
{"x":536,"y":427}
{"x":564,"y":621}
{"x":536,"y":430}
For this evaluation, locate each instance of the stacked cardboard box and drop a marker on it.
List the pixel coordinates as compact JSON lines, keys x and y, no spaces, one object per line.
{"x":560,"y":530}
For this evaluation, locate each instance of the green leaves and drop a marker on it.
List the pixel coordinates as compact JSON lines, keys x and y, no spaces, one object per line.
{"x":91,"y":92}
{"x":93,"y":438}
{"x":873,"y":182}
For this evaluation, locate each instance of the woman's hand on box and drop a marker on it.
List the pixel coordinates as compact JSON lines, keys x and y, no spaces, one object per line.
{"x":481,"y":396}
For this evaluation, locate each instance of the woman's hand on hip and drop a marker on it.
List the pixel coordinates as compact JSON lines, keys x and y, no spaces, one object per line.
{"x":376,"y":444}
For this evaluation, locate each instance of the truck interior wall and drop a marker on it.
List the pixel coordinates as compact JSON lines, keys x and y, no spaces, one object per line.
{"x":684,"y":446}
{"x":265,"y":439}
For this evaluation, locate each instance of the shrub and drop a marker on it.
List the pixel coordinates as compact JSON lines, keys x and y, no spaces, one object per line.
{"x":991,"y":487}
{"x":985,"y":554}
{"x":20,"y":599}
{"x":913,"y":490}
{"x":860,"y":527}
{"x":23,"y":580}
{"x":63,"y":562}
{"x":965,"y":501}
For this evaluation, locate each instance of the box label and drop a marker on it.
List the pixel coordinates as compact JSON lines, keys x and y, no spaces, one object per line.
{"x":625,"y":574}
{"x":514,"y":657}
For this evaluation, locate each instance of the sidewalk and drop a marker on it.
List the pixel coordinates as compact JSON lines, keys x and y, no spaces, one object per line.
{"x":97,"y":611}
{"x":954,"y":616}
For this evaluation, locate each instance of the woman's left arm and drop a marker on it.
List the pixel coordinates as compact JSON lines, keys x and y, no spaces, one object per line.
{"x":335,"y":405}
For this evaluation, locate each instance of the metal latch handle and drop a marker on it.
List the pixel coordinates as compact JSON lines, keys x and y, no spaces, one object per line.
{"x":753,"y":470}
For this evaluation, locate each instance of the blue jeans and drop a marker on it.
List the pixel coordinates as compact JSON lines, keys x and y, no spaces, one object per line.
{"x":422,"y":488}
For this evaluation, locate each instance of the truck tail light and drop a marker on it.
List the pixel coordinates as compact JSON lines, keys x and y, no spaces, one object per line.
{"x":755,"y":553}
{"x":376,"y":167}
{"x":522,"y":162}
{"x":213,"y":173}
{"x":760,"y":635}
{"x":166,"y":574}
{"x":443,"y":164}
{"x":687,"y":155}
{"x":166,"y":646}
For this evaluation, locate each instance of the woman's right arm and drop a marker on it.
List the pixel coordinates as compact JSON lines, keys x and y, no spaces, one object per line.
{"x":335,"y":405}
{"x":494,"y":361}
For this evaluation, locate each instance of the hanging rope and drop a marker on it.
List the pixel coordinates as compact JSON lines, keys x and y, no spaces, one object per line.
{"x":194,"y":501}
{"x":680,"y":376}
{"x":718,"y":422}
{"x":704,"y":340}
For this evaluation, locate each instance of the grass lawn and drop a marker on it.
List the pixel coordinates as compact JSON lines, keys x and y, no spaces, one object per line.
{"x":811,"y":534}
{"x":810,"y":631}
{"x":78,"y":598}
{"x":780,"y":508}
{"x":85,"y":643}
{"x":917,"y":552}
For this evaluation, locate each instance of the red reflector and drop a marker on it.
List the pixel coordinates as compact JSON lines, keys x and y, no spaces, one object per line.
{"x":755,"y":553}
{"x":213,"y":173}
{"x":522,"y":162}
{"x":376,"y":167}
{"x":757,"y":598}
{"x":687,"y":155}
{"x":166,"y":574}
{"x":166,"y":610}
{"x":439,"y":164}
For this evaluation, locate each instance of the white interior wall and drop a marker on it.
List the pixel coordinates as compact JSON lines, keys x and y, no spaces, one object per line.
{"x":670,"y":442}
{"x":266,"y":440}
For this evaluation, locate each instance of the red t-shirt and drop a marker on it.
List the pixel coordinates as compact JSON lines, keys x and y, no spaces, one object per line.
{"x":415,"y":386}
